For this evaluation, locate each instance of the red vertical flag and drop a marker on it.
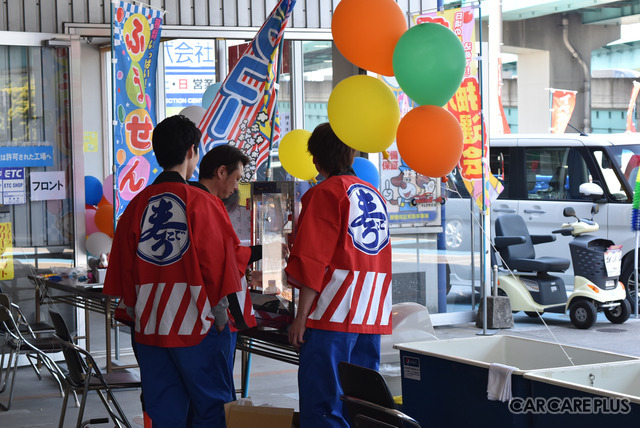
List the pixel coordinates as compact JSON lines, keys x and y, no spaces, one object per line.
{"x":631,"y":127}
{"x":562,"y":105}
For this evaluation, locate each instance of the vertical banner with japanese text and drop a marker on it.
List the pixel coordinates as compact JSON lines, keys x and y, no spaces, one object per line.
{"x":562,"y":105}
{"x":631,"y":127}
{"x":465,"y":105}
{"x":135,"y":41}
{"x":242,"y":112}
{"x":6,"y":252}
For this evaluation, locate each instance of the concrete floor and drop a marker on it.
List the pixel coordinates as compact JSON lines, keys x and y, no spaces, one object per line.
{"x":37,"y":403}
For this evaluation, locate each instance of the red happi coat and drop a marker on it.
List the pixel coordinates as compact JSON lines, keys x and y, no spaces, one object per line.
{"x":172,"y":259}
{"x":342,"y":251}
{"x":246,"y":307}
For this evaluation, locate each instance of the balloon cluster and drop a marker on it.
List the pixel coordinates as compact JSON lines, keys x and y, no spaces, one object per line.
{"x":99,"y":214}
{"x":428,"y":61}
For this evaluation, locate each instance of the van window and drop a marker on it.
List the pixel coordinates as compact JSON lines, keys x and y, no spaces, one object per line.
{"x":555,"y":173}
{"x":499,"y":162}
{"x":627,"y":159}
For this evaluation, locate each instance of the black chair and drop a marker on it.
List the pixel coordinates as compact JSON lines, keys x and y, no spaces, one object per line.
{"x":84,"y":375}
{"x":515,"y":246}
{"x":30,"y":328}
{"x":367,"y":398}
{"x":362,"y":421}
{"x":35,"y":349}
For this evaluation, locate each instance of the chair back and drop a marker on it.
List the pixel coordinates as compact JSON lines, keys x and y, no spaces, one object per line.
{"x":514,"y":225}
{"x":75,"y":364}
{"x":362,"y":421}
{"x":7,"y":323}
{"x":365,"y":384}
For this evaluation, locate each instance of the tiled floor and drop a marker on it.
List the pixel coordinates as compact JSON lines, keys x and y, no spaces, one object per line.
{"x":38,"y":403}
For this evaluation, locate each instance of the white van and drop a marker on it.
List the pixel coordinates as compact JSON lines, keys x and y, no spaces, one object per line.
{"x":541,"y":176}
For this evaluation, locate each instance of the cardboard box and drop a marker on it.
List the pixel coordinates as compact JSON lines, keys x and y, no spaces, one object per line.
{"x":243,"y":414}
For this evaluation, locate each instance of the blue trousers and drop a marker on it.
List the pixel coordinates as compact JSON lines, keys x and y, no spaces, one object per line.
{"x":230,"y":361}
{"x":196,"y":377}
{"x":318,"y":379}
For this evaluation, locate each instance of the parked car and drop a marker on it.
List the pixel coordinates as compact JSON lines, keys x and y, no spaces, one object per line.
{"x":541,"y":175}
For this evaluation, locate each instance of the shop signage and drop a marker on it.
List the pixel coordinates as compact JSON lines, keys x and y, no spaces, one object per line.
{"x":48,"y":185}
{"x":12,"y":182}
{"x":26,"y":156}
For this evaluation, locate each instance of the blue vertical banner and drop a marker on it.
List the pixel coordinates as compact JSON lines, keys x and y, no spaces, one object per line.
{"x":243,"y":111}
{"x":135,"y":41}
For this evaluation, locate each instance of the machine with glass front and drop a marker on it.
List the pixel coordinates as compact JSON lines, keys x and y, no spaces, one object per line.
{"x":275,"y":206}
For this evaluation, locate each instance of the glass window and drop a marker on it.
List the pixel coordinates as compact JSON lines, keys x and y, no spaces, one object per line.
{"x":35,"y":115}
{"x":189,"y":69}
{"x":499,"y":163}
{"x":555,"y":173}
{"x":318,"y":78}
{"x":627,"y":160}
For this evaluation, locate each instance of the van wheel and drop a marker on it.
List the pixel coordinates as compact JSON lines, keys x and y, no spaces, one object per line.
{"x":620,"y":313}
{"x":455,"y":234}
{"x":628,"y":279}
{"x":583,"y":314}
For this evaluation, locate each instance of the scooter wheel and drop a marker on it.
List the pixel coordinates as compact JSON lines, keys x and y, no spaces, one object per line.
{"x":583,"y":314}
{"x":619,"y":314}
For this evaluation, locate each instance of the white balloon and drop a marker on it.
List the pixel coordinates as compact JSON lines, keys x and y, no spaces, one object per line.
{"x":99,"y":243}
{"x":195,"y":113}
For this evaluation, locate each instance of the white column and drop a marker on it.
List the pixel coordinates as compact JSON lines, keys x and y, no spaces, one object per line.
{"x":533,"y":96}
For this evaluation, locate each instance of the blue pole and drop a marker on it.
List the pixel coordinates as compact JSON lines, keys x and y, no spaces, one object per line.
{"x":442,"y":245}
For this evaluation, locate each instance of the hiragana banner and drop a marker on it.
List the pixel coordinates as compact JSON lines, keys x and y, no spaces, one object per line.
{"x":562,"y":105}
{"x":135,"y":42}
{"x":242,"y":112}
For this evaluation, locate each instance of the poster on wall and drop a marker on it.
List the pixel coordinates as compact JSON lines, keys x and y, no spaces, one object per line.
{"x":136,"y":39}
{"x":412,"y":199}
{"x":6,"y":252}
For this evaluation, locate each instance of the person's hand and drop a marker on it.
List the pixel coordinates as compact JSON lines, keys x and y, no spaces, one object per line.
{"x":220,"y":328}
{"x":296,"y":333}
{"x":285,"y":251}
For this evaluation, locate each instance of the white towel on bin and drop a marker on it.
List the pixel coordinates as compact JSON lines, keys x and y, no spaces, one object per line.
{"x":499,"y":385}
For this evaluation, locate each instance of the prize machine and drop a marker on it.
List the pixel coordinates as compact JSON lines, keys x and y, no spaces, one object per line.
{"x":265,"y":213}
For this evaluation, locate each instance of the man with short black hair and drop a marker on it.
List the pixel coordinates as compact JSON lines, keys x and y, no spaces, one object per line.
{"x":220,"y":172}
{"x":170,"y":270}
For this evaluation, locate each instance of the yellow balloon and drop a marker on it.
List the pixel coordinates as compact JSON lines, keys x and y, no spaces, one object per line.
{"x":294,"y":156}
{"x":364,"y":113}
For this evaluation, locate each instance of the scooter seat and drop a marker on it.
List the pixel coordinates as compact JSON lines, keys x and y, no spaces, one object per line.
{"x":518,"y":254}
{"x":540,"y":264}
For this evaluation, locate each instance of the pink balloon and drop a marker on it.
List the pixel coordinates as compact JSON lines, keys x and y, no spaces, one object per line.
{"x":90,"y":221}
{"x":107,"y":188}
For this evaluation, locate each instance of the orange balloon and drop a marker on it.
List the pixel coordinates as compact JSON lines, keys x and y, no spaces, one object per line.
{"x":103,"y":201}
{"x":429,"y":139}
{"x":104,"y":219}
{"x":366,"y":32}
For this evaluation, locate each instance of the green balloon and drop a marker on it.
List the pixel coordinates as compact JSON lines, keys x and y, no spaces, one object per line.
{"x":121,"y":113}
{"x":429,"y":63}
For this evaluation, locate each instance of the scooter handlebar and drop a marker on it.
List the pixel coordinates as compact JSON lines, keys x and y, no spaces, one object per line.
{"x":567,"y":231}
